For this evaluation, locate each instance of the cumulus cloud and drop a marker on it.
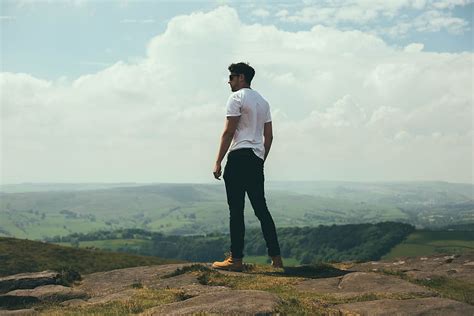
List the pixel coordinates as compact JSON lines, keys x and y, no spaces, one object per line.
{"x":345,"y":106}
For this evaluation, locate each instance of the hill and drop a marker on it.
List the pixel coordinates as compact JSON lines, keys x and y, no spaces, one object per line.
{"x":18,"y":256}
{"x":191,"y":209}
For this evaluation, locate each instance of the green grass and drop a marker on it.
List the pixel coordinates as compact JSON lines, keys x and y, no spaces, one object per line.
{"x":456,"y":289}
{"x":18,"y":256}
{"x":425,"y":243}
{"x":142,"y":300}
{"x":170,"y":209}
{"x":282,"y":284}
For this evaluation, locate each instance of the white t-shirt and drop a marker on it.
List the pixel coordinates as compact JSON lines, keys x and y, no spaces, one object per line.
{"x":254,"y":112}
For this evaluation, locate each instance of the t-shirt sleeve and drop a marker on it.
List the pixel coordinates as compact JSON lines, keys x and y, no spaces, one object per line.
{"x":269,"y":116}
{"x":234,"y":105}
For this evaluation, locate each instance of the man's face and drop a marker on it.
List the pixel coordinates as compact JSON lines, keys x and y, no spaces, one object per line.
{"x":235,"y":81}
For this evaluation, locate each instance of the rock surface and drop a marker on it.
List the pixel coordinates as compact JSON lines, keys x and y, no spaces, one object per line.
{"x":248,"y":302}
{"x":105,"y":283}
{"x":28,"y":280}
{"x":453,"y":266}
{"x":420,"y":306}
{"x":19,"y":312}
{"x":325,"y":287}
{"x":359,"y":283}
{"x":48,"y":293}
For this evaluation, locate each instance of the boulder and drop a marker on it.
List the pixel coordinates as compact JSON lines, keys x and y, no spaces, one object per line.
{"x":104,"y":283}
{"x":359,"y":283}
{"x":28,"y":280}
{"x":75,"y":302}
{"x":420,"y":268}
{"x":45,"y":293}
{"x":19,"y":312}
{"x":247,"y":302}
{"x":419,"y":306}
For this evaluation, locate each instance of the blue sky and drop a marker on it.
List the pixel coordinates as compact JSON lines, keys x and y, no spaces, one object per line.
{"x":134,"y":91}
{"x":51,"y":39}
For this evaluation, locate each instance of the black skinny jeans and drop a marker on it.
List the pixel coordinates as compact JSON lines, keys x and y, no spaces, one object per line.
{"x":244,"y":173}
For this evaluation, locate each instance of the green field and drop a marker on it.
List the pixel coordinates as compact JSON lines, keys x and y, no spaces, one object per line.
{"x":193,"y":209}
{"x":425,"y":243}
{"x":112,"y":244}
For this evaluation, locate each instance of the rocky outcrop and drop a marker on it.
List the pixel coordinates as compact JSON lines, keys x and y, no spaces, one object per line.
{"x":359,"y":283}
{"x":421,"y":306}
{"x":242,"y":302}
{"x":28,"y":280}
{"x":421,"y":268}
{"x":47,"y":293}
{"x":372,"y":288}
{"x":19,"y":312}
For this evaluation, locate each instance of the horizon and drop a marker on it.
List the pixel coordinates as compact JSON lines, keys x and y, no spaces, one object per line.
{"x":216,"y":182}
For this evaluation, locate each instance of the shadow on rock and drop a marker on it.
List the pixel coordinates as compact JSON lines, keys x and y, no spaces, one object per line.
{"x":313,"y":271}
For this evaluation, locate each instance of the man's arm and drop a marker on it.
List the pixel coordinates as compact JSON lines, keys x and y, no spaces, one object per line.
{"x":226,"y":139}
{"x":268,"y":138}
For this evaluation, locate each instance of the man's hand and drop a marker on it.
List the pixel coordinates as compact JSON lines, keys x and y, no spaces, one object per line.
{"x":217,"y":171}
{"x":226,"y":139}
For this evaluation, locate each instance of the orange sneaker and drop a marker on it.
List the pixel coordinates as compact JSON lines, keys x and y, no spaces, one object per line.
{"x":231,"y":264}
{"x":277,"y":262}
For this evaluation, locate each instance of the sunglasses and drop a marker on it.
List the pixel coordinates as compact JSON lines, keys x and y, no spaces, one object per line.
{"x":231,"y":76}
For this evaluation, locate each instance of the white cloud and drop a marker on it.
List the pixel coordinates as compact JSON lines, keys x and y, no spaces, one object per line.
{"x":429,"y":21}
{"x":434,"y":21}
{"x":414,"y":48}
{"x":430,"y":16}
{"x":358,"y":12}
{"x":449,"y":4}
{"x":345,"y":106}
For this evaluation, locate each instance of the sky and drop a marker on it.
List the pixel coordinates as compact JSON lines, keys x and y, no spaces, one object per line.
{"x":135,"y":91}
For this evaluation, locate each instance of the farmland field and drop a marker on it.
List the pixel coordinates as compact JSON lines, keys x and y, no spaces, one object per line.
{"x":424,"y":243}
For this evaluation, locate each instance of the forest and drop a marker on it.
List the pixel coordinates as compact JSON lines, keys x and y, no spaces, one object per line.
{"x":355,"y":242}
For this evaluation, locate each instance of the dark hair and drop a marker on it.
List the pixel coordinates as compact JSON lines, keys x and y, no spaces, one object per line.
{"x":243,"y":69}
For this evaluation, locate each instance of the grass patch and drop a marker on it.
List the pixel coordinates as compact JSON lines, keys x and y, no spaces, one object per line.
{"x":293,"y":301}
{"x":455,"y":289}
{"x":451,"y":288}
{"x":425,"y":243}
{"x":186,"y":269}
{"x":19,"y":256}
{"x":142,"y":300}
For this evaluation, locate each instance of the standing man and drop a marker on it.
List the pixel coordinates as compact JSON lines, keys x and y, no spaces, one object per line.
{"x":249,"y":128}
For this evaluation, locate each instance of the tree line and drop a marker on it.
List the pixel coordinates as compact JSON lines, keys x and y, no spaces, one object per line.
{"x":355,"y":242}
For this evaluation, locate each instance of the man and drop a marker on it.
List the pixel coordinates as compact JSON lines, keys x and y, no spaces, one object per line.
{"x":249,"y":128}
